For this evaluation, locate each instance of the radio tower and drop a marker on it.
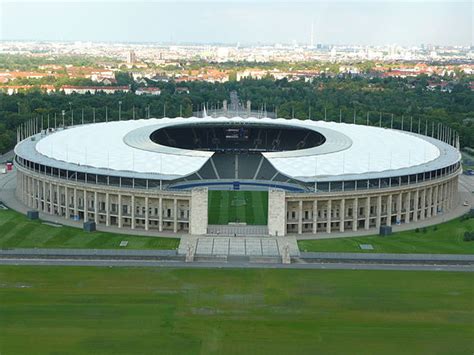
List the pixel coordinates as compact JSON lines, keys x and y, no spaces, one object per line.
{"x":312,"y":35}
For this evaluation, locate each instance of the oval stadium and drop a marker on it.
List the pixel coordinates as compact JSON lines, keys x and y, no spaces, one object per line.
{"x":237,"y":175}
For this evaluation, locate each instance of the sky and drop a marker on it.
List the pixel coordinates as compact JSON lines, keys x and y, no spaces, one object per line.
{"x":368,"y":22}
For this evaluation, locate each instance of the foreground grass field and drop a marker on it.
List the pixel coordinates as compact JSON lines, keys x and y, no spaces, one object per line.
{"x":16,"y":231}
{"x":209,"y":311}
{"x":250,"y":207}
{"x":446,"y":238}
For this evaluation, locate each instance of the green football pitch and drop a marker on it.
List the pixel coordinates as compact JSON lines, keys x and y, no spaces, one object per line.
{"x":250,"y":207}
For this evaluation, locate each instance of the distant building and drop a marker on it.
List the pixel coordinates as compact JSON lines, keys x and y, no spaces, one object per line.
{"x":251,"y":73}
{"x":15,"y":89}
{"x":131,"y":57}
{"x":104,"y":77}
{"x":182,"y":90}
{"x":70,"y":89}
{"x":160,"y":78}
{"x":148,"y":91}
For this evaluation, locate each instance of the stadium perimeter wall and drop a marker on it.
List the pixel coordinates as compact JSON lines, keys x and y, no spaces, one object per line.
{"x":187,"y":211}
{"x":352,"y":211}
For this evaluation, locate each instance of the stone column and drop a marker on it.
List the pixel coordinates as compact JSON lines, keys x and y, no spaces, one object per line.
{"x":435,"y":201}
{"x":329,"y":216}
{"x":453,"y":192}
{"x":175,"y":215}
{"x":28,"y":183}
{"x":379,"y":212}
{"x":389,"y":210}
{"x":75,"y":202}
{"x":415,"y":206}
{"x":66,"y":201}
{"x":342,"y":215}
{"x":86,"y":210}
{"x":132,"y":202}
{"x":119,"y":210}
{"x":450,"y":194}
{"x":27,"y":191}
{"x":58,"y":198}
{"x":107,"y":209}
{"x":24,"y":189}
{"x":430,"y":202}
{"x":38,"y":195}
{"x":399,"y":207}
{"x":407,"y":207}
{"x":367,"y":213}
{"x":355,"y":214}
{"x":50,"y":198}
{"x":96,"y":208}
{"x":315,"y":216}
{"x":160,"y":214}
{"x":146,"y":213}
{"x":32,"y":192}
{"x":423,"y":204}
{"x":44,"y":197}
{"x":443,"y":197}
{"x":276,"y":212}
{"x":198,"y":216}
{"x":300,"y":216}
{"x":20,"y":186}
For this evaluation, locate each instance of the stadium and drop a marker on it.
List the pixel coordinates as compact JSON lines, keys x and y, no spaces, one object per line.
{"x":237,"y":175}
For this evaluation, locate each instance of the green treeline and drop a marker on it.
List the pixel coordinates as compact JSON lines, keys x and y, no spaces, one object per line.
{"x":337,"y":98}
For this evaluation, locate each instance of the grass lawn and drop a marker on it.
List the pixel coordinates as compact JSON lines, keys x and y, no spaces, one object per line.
{"x":446,"y":238}
{"x":16,"y":231}
{"x":250,"y":207}
{"x":85,"y":310}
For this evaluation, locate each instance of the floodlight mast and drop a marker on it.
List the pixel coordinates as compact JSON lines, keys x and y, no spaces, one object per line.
{"x":72,"y":113}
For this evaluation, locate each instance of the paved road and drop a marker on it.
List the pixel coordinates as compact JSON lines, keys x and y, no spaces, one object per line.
{"x":177,"y":264}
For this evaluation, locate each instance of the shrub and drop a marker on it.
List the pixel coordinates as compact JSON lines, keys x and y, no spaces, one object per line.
{"x":468,"y":236}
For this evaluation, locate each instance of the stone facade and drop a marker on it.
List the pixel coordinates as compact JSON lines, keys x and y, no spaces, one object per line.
{"x":187,"y":211}
{"x":342,"y":212}
{"x":199,"y":211}
{"x":276,"y":212}
{"x":153,"y":209}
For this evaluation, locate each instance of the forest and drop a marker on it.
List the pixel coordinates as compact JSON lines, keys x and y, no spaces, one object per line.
{"x":337,"y":99}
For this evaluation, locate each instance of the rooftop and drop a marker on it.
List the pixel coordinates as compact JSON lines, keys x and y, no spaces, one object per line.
{"x":349,"y":152}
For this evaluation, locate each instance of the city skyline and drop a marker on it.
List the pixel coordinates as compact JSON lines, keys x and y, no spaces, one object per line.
{"x":365,"y":23}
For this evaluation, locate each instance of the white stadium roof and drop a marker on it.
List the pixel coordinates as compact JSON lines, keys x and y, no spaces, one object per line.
{"x":349,"y":150}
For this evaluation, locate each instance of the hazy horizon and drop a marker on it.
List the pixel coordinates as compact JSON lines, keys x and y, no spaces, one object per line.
{"x":382,"y":22}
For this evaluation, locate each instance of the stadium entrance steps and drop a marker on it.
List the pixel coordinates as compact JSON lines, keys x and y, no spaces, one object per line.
{"x":252,"y":249}
{"x":237,"y":230}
